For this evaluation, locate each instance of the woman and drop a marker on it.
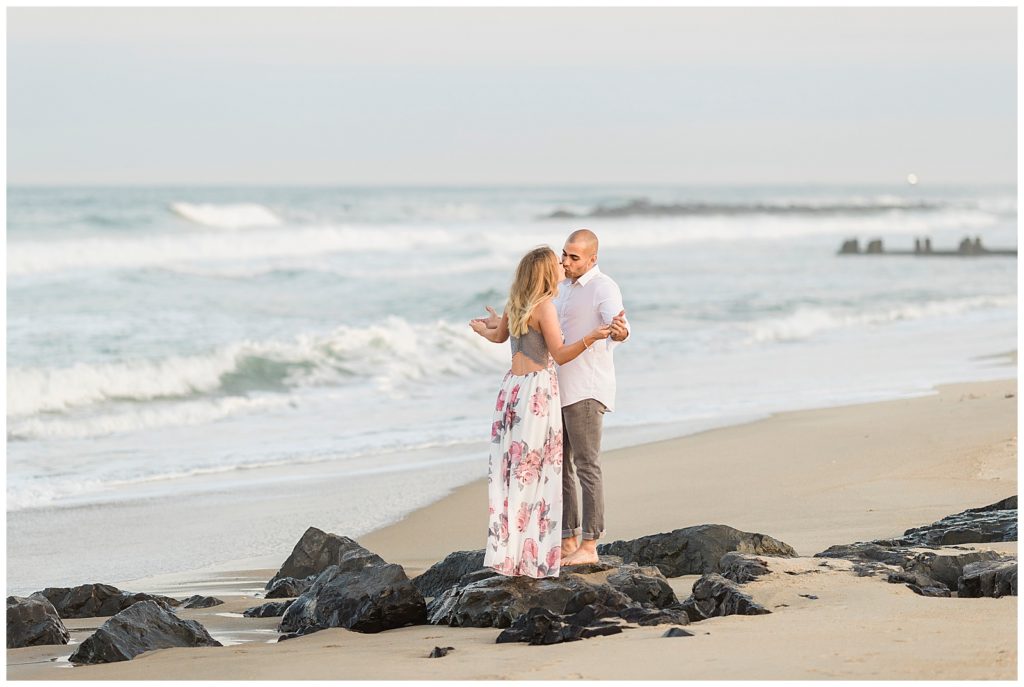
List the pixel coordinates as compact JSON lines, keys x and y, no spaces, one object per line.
{"x":525,"y":465}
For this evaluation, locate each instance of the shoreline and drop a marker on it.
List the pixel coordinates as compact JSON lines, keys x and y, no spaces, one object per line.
{"x":809,"y":478}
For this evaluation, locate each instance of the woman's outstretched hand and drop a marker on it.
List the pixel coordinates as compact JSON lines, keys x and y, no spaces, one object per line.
{"x":490,"y":322}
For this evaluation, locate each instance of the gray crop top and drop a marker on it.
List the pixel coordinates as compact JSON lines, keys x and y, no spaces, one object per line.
{"x":532,"y":345}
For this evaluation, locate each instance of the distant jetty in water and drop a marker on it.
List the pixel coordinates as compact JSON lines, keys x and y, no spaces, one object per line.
{"x":923,"y":248}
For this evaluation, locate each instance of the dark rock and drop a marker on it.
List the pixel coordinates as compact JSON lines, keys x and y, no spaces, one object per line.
{"x":996,"y":522}
{"x":916,"y":579}
{"x":369,"y":599}
{"x":603,"y":564}
{"x":496,"y":600}
{"x":271,"y":610}
{"x":589,"y":614}
{"x":33,"y":621}
{"x":655,"y":616}
{"x":878,"y":551}
{"x":742,"y":568}
{"x":144,"y":626}
{"x":946,"y":568}
{"x":318,"y":550}
{"x":713,"y":595}
{"x":93,"y":600}
{"x":441,"y":576}
{"x":300,"y":633}
{"x":538,"y":626}
{"x":440,"y":651}
{"x":988,"y":578}
{"x":289,"y":587}
{"x":809,"y":596}
{"x":677,"y":632}
{"x":197,"y":601}
{"x":694,"y":550}
{"x":644,"y":585}
{"x":938,"y":591}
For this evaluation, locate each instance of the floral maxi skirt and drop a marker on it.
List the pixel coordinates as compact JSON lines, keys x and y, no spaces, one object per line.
{"x":524,"y":477}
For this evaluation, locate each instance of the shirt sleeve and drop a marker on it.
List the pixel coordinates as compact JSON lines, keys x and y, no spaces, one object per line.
{"x":609,"y":304}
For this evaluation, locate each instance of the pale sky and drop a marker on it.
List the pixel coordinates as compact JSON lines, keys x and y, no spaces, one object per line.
{"x":510,"y":96}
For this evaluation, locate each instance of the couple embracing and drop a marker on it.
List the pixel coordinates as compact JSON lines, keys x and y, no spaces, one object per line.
{"x":547,"y":421}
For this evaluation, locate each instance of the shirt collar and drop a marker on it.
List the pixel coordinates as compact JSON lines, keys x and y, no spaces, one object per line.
{"x":588,"y":275}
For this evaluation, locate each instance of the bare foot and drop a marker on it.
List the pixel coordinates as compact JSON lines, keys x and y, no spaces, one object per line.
{"x":569,"y":545}
{"x":580,"y":557}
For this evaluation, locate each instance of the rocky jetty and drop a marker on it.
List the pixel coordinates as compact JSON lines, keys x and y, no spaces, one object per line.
{"x":94,"y":600}
{"x":33,"y":621}
{"x":317,"y":550}
{"x":694,"y":550}
{"x":144,"y":626}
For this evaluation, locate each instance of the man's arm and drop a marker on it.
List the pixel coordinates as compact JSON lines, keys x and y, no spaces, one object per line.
{"x":609,"y":304}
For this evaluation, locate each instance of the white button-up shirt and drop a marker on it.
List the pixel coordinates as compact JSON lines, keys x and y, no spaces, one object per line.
{"x":589,"y":302}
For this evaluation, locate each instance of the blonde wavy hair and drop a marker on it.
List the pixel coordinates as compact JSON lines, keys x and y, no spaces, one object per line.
{"x":537,"y":278}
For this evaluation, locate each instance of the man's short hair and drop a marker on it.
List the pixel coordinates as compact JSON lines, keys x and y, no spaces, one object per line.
{"x":586,"y":237}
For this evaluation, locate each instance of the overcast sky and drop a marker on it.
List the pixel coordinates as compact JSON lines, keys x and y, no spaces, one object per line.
{"x":510,"y":96}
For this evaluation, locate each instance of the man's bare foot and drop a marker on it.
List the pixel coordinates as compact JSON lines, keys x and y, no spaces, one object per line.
{"x":581,"y":556}
{"x":569,"y":545}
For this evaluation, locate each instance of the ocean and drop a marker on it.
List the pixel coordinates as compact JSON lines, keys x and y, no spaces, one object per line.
{"x":166,"y":343}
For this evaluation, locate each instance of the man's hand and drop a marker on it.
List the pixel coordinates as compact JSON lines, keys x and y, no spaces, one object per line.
{"x":490,"y":322}
{"x":619,"y":330}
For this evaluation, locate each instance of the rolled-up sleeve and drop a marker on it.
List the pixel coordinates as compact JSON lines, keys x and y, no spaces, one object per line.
{"x":609,"y":304}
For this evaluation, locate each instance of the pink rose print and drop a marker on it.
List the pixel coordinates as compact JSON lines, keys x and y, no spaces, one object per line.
{"x":539,"y":402}
{"x":500,"y":405}
{"x":554,"y":557}
{"x":503,"y":528}
{"x":553,"y":449}
{"x":495,"y":428}
{"x":523,"y":517}
{"x":530,"y":552}
{"x":554,"y":385}
{"x":515,"y":452}
{"x":542,"y":528}
{"x":528,"y":469}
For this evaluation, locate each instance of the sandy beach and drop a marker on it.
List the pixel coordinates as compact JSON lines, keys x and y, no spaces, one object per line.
{"x":810,"y":478}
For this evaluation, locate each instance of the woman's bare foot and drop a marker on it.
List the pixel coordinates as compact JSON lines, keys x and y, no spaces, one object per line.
{"x":569,"y":546}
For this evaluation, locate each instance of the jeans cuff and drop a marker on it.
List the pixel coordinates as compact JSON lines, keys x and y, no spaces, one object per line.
{"x":575,"y":532}
{"x":590,"y":536}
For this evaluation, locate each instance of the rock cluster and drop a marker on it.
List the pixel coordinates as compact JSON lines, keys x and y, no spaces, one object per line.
{"x":93,"y":600}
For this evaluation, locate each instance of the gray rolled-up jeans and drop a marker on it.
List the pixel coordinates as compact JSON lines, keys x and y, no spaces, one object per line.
{"x":581,"y":455}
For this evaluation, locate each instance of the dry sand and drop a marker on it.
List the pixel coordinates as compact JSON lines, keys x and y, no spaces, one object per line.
{"x":810,"y":478}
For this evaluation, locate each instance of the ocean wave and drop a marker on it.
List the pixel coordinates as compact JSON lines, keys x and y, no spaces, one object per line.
{"x":34,"y":257}
{"x":806,"y":322}
{"x":388,"y":355}
{"x":227,"y":216}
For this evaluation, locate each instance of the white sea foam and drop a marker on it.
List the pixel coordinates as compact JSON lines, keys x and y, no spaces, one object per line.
{"x":807,"y":322}
{"x":108,"y":252}
{"x":227,"y":216}
{"x":389,"y":355}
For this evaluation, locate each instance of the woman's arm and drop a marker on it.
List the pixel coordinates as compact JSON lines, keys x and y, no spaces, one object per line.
{"x":547,"y":317}
{"x":498,"y":334}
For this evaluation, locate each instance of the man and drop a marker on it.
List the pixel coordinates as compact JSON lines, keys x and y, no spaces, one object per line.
{"x":586,"y":299}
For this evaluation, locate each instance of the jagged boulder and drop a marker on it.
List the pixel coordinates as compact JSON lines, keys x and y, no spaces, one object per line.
{"x":317,"y":550}
{"x":33,"y":621}
{"x":694,"y":550}
{"x":919,"y":583}
{"x":198,"y":601}
{"x":144,"y":626}
{"x":539,"y":626}
{"x":289,"y":587}
{"x":274,"y":609}
{"x":713,"y":595}
{"x":993,"y":523}
{"x":947,"y":568}
{"x":988,"y":578}
{"x":446,"y":574}
{"x":644,"y":585}
{"x":369,"y":599}
{"x":94,"y":600}
{"x":741,"y":567}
